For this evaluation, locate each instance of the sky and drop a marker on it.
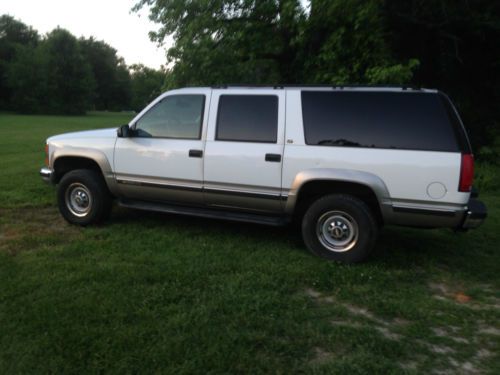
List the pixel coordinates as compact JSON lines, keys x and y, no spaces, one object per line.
{"x":107,"y":20}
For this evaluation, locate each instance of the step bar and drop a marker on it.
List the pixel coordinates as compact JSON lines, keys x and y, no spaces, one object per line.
{"x":205,"y":212}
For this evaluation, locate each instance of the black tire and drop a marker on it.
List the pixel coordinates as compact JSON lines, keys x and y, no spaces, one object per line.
{"x":340,"y":227}
{"x":86,"y":185}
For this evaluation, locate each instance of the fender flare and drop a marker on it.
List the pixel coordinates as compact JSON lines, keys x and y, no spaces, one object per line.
{"x":370,"y":180}
{"x":92,"y":154}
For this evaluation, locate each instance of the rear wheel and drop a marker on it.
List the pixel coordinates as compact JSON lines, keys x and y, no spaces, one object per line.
{"x":340,"y":227}
{"x":83,"y":197}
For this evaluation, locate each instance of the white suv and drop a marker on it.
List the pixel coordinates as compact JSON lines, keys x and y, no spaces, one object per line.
{"x":343,"y":161}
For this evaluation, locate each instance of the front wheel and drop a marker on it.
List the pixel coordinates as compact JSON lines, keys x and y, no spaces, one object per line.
{"x":340,"y":227}
{"x":83,"y":197}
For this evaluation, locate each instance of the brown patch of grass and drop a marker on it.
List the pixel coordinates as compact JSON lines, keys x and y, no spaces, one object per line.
{"x":384,"y":327}
{"x":455,"y":294}
{"x":27,"y":229}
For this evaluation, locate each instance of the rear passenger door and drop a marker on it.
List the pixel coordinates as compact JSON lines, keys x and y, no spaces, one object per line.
{"x":244,"y":150}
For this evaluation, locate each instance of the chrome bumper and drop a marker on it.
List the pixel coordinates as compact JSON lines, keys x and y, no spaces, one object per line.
{"x":475,"y":214}
{"x":46,"y":174}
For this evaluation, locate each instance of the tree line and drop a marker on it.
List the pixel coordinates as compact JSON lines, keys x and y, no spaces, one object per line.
{"x":452,"y":45}
{"x":60,"y":74}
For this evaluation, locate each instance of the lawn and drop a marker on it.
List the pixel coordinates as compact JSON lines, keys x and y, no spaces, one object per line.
{"x":148,"y":292}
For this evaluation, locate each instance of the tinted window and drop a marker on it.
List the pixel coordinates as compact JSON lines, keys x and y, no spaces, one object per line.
{"x":247,"y":118}
{"x":176,"y":116}
{"x":407,"y":120}
{"x":457,"y":125}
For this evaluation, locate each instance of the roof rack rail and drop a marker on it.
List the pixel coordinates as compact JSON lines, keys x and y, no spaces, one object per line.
{"x":333,"y":86}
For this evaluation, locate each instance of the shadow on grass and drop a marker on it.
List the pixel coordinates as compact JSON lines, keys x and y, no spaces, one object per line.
{"x":398,"y":248}
{"x":470,"y":255}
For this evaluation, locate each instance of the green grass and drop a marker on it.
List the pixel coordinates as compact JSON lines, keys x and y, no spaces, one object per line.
{"x":150,"y":293}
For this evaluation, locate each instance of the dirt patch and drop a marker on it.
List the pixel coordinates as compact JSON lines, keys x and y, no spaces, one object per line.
{"x":391,"y":329}
{"x":388,"y":334}
{"x":410,"y":365}
{"x":312,"y":293}
{"x":444,"y":292}
{"x":440,"y":349}
{"x":321,"y":356}
{"x":444,"y":332}
{"x":318,"y":296}
{"x":362,"y":312}
{"x":486,"y":330}
{"x":26,"y":229}
{"x":384,"y":327}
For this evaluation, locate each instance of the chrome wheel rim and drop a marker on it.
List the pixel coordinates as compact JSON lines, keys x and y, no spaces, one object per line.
{"x":78,"y":199}
{"x":337,"y":231}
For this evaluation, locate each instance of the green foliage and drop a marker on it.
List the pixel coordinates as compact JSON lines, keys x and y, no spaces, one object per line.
{"x":345,"y":43}
{"x":13,"y":35}
{"x":228,"y":40}
{"x":60,"y":74}
{"x":113,"y":86}
{"x":65,"y":59}
{"x":27,"y":80}
{"x":146,"y":83}
{"x":486,"y":176}
{"x":395,"y":74}
{"x":52,"y":77}
{"x":456,"y":42}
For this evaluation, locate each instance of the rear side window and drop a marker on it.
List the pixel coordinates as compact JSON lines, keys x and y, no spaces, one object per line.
{"x":394,"y":120}
{"x":247,"y":118}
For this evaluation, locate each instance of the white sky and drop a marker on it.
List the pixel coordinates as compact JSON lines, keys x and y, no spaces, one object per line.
{"x":108,"y":20}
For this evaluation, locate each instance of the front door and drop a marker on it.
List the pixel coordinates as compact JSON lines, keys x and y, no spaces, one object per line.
{"x":163,"y":160}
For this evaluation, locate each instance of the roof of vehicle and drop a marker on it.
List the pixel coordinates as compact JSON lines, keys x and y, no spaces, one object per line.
{"x":396,"y":88}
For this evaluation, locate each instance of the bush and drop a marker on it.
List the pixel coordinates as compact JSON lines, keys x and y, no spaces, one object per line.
{"x":487,"y":176}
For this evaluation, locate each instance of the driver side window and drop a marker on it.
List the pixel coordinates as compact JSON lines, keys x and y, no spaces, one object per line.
{"x":176,"y":116}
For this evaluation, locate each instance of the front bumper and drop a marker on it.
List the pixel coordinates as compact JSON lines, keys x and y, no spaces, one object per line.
{"x":475,"y":214}
{"x":47,"y":174}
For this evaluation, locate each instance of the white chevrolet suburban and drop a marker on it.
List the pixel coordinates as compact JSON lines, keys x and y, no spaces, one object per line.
{"x":342,"y":161}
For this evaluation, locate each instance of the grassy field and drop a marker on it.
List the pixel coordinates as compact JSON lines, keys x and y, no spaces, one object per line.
{"x":158,"y":293}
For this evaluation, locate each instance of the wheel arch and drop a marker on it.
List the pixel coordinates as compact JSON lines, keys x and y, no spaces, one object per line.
{"x":311,"y":184}
{"x":63,"y":162}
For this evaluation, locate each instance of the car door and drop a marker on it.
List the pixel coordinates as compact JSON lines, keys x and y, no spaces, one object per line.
{"x":244,"y":148}
{"x":163,"y":159}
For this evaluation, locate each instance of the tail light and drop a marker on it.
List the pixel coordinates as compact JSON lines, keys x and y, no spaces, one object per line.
{"x":466,"y":173}
{"x":47,"y":155}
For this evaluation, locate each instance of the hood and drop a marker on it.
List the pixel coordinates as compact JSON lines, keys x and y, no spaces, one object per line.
{"x":101,"y":133}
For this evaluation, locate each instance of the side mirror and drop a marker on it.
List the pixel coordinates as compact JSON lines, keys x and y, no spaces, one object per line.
{"x":124,"y":131}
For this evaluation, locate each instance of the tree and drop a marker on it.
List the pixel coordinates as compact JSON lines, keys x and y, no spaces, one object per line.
{"x":27,"y":80}
{"x":228,"y":40}
{"x":13,"y":35}
{"x":113,"y":86}
{"x":70,"y":83}
{"x":457,"y":43}
{"x":52,"y":77}
{"x":344,"y":43}
{"x":147,"y":84}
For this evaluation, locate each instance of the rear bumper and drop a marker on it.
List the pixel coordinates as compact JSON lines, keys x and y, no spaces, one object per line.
{"x":47,"y":174}
{"x":475,"y":214}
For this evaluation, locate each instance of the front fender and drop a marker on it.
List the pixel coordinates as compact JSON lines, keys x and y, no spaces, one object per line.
{"x":98,"y":156}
